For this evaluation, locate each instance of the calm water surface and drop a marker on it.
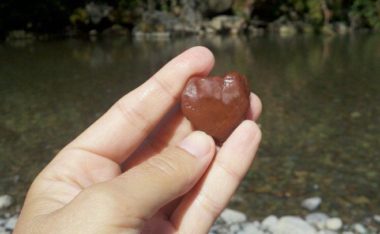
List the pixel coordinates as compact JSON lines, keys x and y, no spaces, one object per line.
{"x":321,"y":124}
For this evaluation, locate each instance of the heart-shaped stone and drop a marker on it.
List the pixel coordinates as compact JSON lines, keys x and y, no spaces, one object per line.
{"x":216,"y":105}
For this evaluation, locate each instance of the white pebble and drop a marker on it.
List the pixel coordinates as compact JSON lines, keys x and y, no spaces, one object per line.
{"x":3,"y":231}
{"x":359,"y":228}
{"x":232,"y":216}
{"x":317,"y":219}
{"x":2,"y":222}
{"x":311,"y":203}
{"x":334,"y":224}
{"x":327,"y":232}
{"x":234,"y":228}
{"x":293,"y":225}
{"x":5,"y":201}
{"x":11,"y":223}
{"x":269,"y":222}
{"x":250,"y":228}
{"x":376,"y":218}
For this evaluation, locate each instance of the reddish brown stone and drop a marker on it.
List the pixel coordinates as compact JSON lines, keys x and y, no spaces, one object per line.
{"x":216,"y":105}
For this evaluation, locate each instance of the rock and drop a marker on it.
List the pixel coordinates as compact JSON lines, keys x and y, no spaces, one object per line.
{"x":116,"y":30}
{"x":11,"y":223}
{"x":2,"y":222}
{"x":269,"y":222}
{"x":20,"y":35}
{"x":232,"y":24}
{"x":293,"y":225}
{"x":376,"y":218}
{"x":234,"y":228}
{"x":359,"y":228}
{"x":218,"y":229}
{"x":164,"y":22}
{"x":341,"y":28}
{"x":93,"y":33}
{"x":3,"y":231}
{"x":5,"y":201}
{"x":311,"y":203}
{"x":327,"y":30}
{"x":287,"y":30}
{"x":190,"y":12}
{"x":317,"y":219}
{"x":97,"y":12}
{"x":255,"y":31}
{"x":251,"y":228}
{"x":232,"y":216}
{"x":326,"y":232}
{"x":333,"y":224}
{"x":219,"y":6}
{"x":308,"y":29}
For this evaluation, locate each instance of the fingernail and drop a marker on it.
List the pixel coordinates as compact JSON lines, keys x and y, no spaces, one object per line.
{"x":197,"y":144}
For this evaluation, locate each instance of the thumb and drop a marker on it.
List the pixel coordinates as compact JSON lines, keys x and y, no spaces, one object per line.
{"x":162,"y":178}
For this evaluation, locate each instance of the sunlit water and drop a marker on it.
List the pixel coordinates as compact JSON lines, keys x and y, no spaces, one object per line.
{"x":321,"y":124}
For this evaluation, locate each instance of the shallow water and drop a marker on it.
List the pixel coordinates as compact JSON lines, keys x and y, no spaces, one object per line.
{"x":321,"y":125}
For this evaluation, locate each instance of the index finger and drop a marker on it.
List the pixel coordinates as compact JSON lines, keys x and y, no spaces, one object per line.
{"x":129,"y":121}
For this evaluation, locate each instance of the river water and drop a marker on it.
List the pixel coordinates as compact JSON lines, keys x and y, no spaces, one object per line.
{"x":321,"y":124}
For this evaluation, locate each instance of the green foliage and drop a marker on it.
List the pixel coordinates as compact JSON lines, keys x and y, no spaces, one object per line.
{"x":56,"y":15}
{"x":129,"y":4}
{"x":314,"y":12}
{"x":368,"y":11}
{"x":307,"y":10}
{"x":243,"y":8}
{"x":79,"y":16}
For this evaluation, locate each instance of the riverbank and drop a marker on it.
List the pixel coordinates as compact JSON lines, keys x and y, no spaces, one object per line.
{"x":170,"y":18}
{"x":235,"y":222}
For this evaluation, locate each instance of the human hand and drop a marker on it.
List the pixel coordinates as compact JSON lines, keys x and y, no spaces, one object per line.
{"x":141,"y":168}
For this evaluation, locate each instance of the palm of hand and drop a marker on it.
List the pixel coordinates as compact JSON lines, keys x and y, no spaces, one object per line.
{"x":85,"y":164}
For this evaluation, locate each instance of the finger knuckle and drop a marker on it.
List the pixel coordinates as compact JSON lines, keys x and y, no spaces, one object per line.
{"x":164,"y":165}
{"x":209,"y":204}
{"x":132,"y":116}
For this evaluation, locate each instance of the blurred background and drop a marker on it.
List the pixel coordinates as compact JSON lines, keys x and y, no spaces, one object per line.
{"x":314,"y":63}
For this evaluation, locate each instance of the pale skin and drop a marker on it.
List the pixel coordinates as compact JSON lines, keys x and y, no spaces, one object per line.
{"x":141,"y":167}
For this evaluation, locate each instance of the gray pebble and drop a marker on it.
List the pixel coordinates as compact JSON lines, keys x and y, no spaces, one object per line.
{"x":311,"y":203}
{"x":334,"y":224}
{"x":250,"y":228}
{"x":376,"y":218}
{"x":5,"y":201}
{"x":232,"y":216}
{"x":235,"y":228}
{"x":2,"y":222}
{"x":293,"y":225}
{"x":359,"y":228}
{"x":11,"y":223}
{"x":269,"y":222}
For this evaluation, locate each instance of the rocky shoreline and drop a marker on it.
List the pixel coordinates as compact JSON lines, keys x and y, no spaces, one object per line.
{"x":235,"y":222}
{"x":199,"y":18}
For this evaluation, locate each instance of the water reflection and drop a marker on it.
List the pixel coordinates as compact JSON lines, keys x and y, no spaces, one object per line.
{"x":320,"y":119}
